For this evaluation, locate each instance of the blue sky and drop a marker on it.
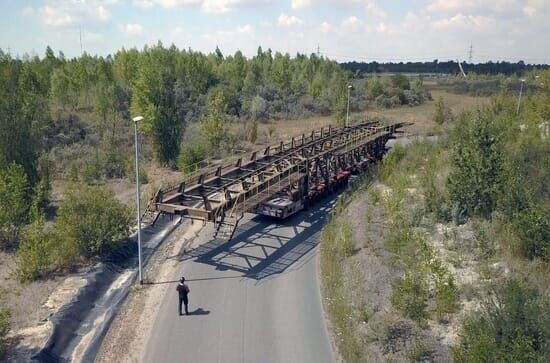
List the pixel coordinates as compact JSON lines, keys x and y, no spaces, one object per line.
{"x":361,"y":30}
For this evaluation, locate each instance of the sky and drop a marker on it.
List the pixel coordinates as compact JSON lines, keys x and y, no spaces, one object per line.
{"x":343,"y":30}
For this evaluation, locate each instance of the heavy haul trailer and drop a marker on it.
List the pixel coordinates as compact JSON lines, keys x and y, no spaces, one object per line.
{"x":279,"y":182}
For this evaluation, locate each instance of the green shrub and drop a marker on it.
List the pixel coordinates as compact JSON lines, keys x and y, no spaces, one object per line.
{"x":409,"y":296}
{"x":347,"y":247}
{"x":477,"y":164}
{"x":143,"y":176}
{"x":533,"y":227}
{"x":446,"y":297}
{"x":5,"y":315}
{"x":14,"y":190}
{"x":401,"y":81}
{"x":190,"y":157}
{"x":513,"y":325}
{"x":93,"y":220}
{"x":442,"y":112}
{"x":40,"y":252}
{"x":115,"y":164}
{"x":391,"y":161}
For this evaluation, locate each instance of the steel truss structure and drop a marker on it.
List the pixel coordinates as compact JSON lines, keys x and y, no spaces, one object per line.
{"x":304,"y":167}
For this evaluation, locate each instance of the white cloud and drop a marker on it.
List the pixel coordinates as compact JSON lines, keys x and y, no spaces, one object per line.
{"x":460,"y":21}
{"x":144,"y":4}
{"x":529,"y":10}
{"x":288,"y":21}
{"x":325,"y":27}
{"x":207,"y":6}
{"x":63,"y":13}
{"x":370,"y":7}
{"x":55,"y":17}
{"x":176,"y":3}
{"x":537,"y":8}
{"x":132,"y":30}
{"x":472,"y":5}
{"x":300,"y":4}
{"x":244,"y":30}
{"x":351,"y":22}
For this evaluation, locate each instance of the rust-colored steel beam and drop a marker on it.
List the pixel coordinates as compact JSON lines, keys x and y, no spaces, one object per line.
{"x":219,"y":192}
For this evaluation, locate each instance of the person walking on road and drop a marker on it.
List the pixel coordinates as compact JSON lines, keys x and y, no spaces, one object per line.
{"x":183,"y":292}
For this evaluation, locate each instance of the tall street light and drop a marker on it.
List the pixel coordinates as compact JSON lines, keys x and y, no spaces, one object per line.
{"x":347,"y":113}
{"x":136,"y":120}
{"x":519,"y":98}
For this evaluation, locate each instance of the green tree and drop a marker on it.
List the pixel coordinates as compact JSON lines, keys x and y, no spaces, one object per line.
{"x":215,"y":126}
{"x":14,"y":191}
{"x":477,"y":164}
{"x":339,"y":110}
{"x":17,"y":141}
{"x":92,"y":220}
{"x":156,"y":98}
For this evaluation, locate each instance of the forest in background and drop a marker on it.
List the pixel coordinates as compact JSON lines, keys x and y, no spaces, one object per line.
{"x":445,"y":67}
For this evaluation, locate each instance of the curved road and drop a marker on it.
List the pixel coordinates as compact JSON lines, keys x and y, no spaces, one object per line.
{"x":253,"y":299}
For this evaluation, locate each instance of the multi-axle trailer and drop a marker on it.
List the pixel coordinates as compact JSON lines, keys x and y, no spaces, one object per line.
{"x":280,"y":181}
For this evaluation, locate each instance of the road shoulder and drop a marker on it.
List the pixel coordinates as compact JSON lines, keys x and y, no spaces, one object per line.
{"x":126,"y":339}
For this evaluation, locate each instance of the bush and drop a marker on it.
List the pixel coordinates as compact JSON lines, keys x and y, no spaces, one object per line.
{"x":533,"y":227}
{"x":190,"y":157}
{"x":446,"y":296}
{"x":14,"y":189}
{"x":5,"y":315}
{"x":40,"y":252}
{"x":92,"y":220}
{"x":401,"y":81}
{"x":513,"y":325}
{"x":387,"y":101}
{"x":259,"y":109}
{"x":477,"y":164}
{"x":143,"y":176}
{"x":409,"y":296}
{"x":442,"y":112}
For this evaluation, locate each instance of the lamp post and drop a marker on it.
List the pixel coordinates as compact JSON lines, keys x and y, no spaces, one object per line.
{"x":520,"y":92}
{"x":136,"y":120}
{"x":347,"y":113}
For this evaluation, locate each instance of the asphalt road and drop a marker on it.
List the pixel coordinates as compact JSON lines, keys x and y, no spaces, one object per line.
{"x":253,"y":299}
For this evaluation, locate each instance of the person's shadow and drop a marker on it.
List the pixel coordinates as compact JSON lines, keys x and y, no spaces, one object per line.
{"x":199,"y":311}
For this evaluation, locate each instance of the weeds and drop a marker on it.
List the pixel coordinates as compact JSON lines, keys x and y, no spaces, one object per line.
{"x":409,"y":296}
{"x":511,"y":326}
{"x":419,"y":351}
{"x":5,"y":315}
{"x":334,"y":251}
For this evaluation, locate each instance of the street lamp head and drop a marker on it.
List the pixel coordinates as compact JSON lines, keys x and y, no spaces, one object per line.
{"x":137,"y":119}
{"x":523,"y":80}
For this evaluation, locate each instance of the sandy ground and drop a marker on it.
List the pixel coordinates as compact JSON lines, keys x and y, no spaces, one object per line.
{"x":31,"y":305}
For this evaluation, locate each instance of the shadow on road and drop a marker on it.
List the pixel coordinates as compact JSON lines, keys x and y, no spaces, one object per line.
{"x":190,"y":280}
{"x":199,"y":311}
{"x":263,"y":247}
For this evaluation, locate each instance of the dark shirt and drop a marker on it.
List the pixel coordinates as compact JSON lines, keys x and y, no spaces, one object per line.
{"x":183,"y":289}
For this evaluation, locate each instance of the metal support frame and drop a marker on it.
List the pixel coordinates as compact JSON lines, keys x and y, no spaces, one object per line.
{"x":227,"y":191}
